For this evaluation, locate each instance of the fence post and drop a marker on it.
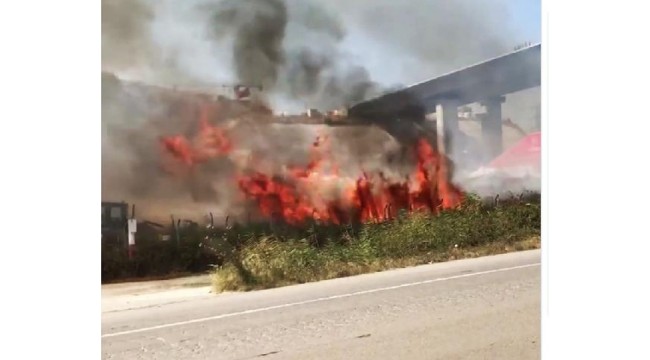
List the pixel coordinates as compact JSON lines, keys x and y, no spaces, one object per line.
{"x":131,"y":230}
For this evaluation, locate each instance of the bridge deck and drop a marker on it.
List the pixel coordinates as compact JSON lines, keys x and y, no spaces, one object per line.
{"x":505,"y":74}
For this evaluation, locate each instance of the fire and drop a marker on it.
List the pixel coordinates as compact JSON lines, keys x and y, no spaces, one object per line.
{"x":211,"y":142}
{"x":316,"y":191}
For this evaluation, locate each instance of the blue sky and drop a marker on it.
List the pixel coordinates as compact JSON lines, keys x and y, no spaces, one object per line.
{"x":526,"y":16}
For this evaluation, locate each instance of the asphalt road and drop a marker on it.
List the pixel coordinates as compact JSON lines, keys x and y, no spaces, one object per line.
{"x":486,"y":308}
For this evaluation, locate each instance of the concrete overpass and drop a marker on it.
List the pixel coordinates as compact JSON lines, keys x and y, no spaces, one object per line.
{"x":485,"y":82}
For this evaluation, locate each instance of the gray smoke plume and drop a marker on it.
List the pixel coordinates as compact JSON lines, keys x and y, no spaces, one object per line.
{"x":126,"y":41}
{"x":291,"y":49}
{"x":305,"y":53}
{"x":426,"y":38}
{"x":258,"y":28}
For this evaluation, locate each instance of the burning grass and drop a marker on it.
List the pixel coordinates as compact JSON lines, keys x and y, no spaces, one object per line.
{"x":264,"y":259}
{"x":316,"y":221}
{"x":317,"y":190}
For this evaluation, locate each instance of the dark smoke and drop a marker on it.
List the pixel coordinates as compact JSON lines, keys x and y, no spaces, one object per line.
{"x":313,"y":69}
{"x":305,"y":72}
{"x":352,"y":86}
{"x":258,"y":27}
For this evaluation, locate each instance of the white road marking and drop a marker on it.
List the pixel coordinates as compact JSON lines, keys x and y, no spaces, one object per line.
{"x":328,"y":298}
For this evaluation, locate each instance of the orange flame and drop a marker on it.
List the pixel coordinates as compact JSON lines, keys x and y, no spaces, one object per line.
{"x":295,"y":197}
{"x":211,"y":142}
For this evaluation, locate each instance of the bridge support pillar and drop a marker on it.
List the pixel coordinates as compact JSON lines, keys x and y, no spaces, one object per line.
{"x":447,"y":125}
{"x":492,"y":127}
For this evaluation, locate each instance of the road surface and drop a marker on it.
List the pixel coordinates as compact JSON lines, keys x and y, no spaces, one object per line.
{"x":485,"y":308}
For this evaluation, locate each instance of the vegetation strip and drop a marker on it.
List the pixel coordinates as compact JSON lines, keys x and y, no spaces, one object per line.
{"x":255,"y":256}
{"x":475,"y":229}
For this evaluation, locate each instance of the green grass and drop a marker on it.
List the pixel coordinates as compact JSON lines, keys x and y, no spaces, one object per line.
{"x":264,"y":257}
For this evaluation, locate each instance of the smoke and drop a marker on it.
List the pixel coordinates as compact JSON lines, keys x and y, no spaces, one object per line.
{"x":426,"y":38}
{"x":258,"y":28}
{"x":305,"y":54}
{"x":292,"y":49}
{"x":131,"y":126}
{"x":126,"y":39}
{"x":136,"y":169}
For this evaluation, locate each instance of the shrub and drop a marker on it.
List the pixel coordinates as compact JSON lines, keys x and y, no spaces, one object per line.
{"x":261,"y":255}
{"x":294,"y":255}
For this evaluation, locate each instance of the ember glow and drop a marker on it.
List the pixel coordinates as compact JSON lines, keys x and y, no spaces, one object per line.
{"x":316,"y":190}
